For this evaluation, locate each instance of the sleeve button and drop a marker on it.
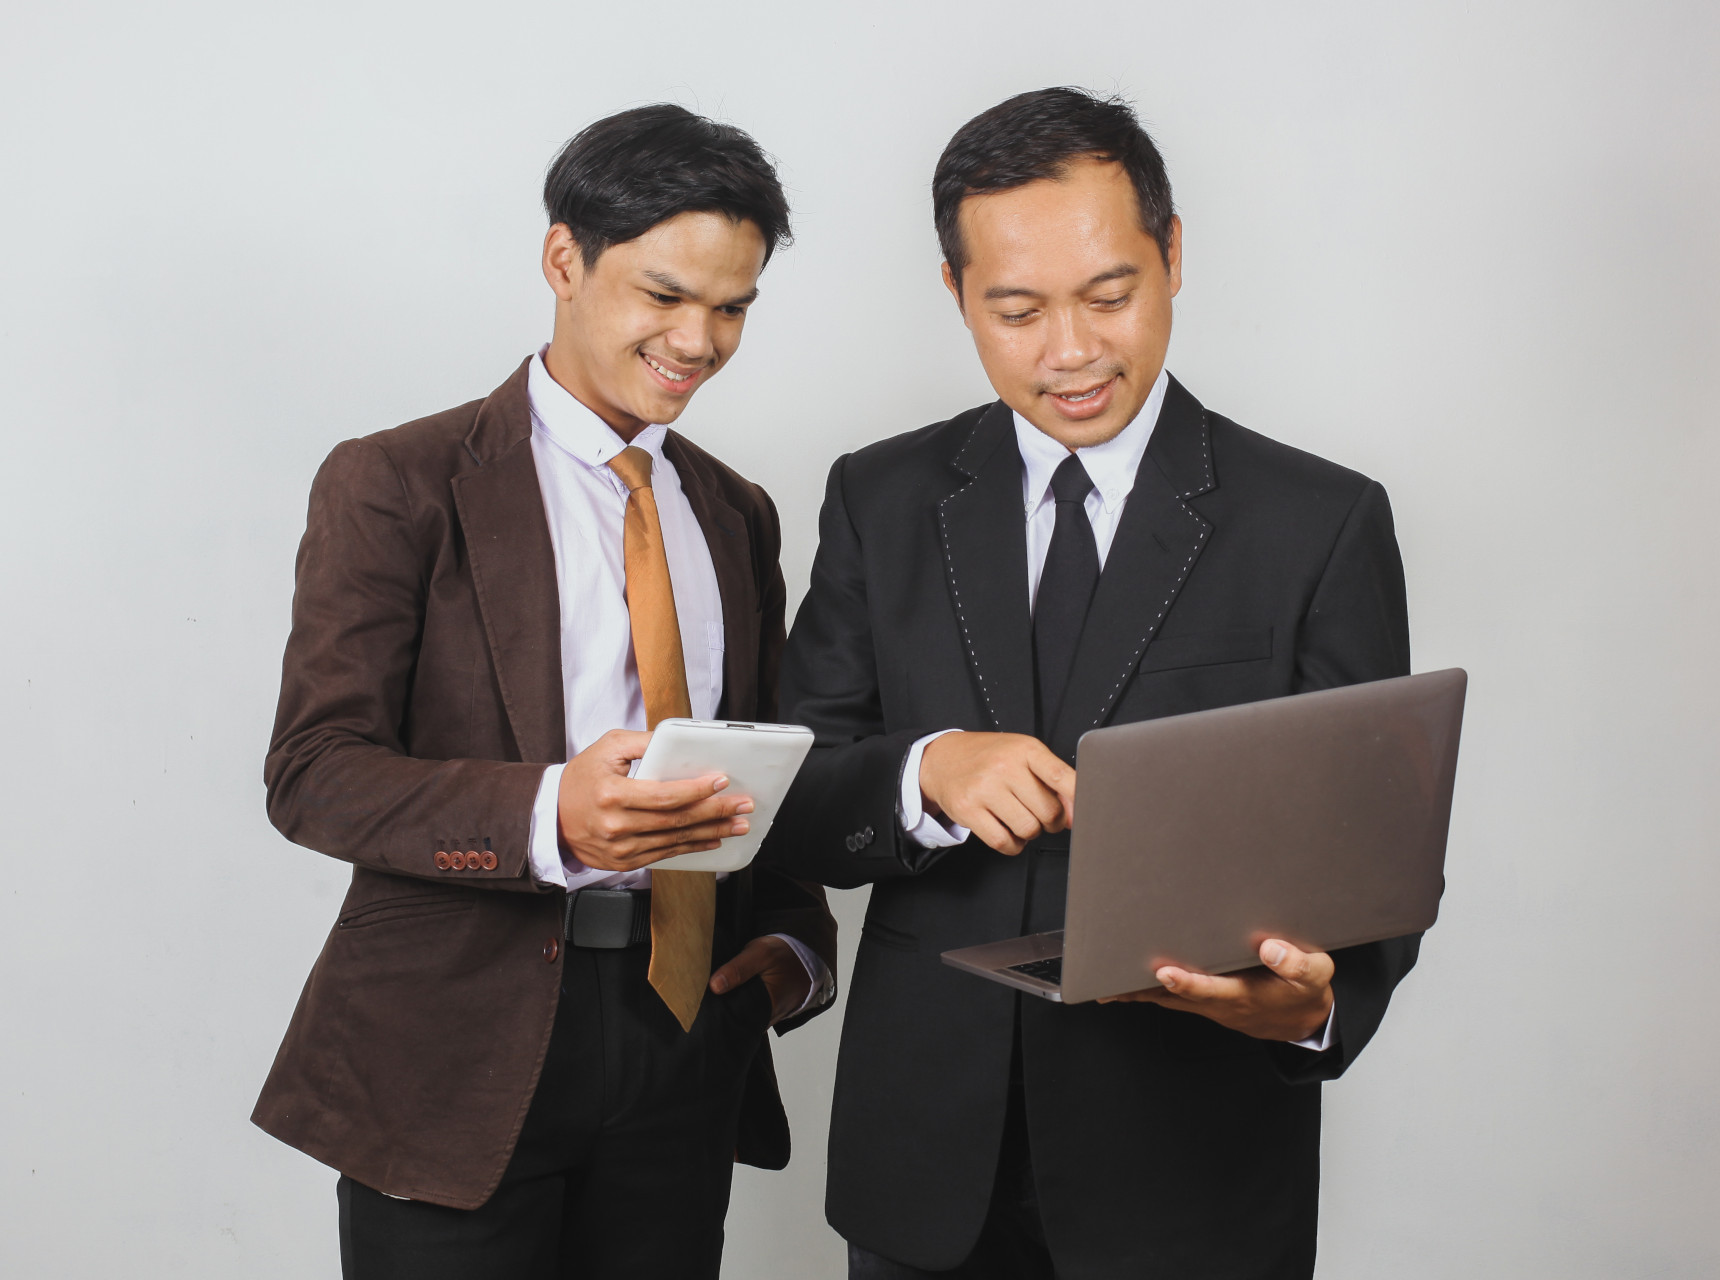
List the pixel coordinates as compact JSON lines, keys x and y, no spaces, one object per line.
{"x":443,"y":862}
{"x":489,"y":860}
{"x":551,"y":950}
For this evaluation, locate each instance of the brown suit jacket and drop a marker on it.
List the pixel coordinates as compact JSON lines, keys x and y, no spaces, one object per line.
{"x":421,"y":698}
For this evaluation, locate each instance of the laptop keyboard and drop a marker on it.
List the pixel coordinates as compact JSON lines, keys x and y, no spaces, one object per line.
{"x":1045,"y":970}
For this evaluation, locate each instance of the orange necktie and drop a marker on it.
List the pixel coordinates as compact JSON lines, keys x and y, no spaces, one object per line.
{"x":683,"y":903}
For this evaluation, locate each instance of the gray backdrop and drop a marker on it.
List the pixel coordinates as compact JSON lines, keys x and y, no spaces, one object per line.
{"x":1468,"y":249}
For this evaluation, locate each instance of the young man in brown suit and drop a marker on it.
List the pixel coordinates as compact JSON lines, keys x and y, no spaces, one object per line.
{"x":507,"y":1047}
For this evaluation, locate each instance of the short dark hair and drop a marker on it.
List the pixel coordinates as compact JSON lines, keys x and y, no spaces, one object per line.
{"x":619,"y":177}
{"x":1037,"y":135}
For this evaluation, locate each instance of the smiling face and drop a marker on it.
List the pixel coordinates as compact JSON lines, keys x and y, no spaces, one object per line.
{"x":653,"y":319}
{"x":1068,"y":299}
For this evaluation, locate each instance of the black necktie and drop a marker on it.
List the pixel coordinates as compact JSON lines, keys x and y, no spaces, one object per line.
{"x":1065,"y":589}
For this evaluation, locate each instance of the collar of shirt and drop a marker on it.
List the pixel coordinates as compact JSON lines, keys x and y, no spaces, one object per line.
{"x":1111,"y":465}
{"x":577,"y":431}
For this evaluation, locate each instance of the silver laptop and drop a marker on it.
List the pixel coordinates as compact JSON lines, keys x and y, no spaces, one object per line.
{"x":1319,"y":818}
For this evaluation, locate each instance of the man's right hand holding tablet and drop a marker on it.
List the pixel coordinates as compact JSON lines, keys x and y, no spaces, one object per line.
{"x":616,"y":823}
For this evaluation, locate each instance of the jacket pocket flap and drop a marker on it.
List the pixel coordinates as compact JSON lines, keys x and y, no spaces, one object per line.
{"x":1208,"y":648}
{"x":406,"y":905}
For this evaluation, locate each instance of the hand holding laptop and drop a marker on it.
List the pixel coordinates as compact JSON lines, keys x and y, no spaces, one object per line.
{"x":1007,"y":788}
{"x":1289,"y":999}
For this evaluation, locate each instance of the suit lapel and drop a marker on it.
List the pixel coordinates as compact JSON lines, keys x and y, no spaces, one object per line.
{"x":513,"y":569}
{"x":730,"y":545}
{"x":984,"y":533}
{"x":1158,"y":541}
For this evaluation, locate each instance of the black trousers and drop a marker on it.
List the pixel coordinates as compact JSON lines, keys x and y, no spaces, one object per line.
{"x":1011,"y":1244}
{"x":624,"y":1162}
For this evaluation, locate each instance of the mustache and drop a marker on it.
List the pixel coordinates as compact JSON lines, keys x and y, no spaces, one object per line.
{"x":1091,"y":378}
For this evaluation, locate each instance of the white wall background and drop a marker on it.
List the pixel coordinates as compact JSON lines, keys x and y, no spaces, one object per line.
{"x":1469,"y":249}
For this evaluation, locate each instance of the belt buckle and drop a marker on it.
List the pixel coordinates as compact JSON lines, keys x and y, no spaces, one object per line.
{"x":602,"y":919}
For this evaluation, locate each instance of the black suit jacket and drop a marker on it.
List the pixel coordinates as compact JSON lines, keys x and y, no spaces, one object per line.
{"x":1162,"y":1143}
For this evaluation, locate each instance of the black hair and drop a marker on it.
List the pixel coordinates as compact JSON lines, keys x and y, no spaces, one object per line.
{"x":619,"y":177}
{"x":1036,"y":135}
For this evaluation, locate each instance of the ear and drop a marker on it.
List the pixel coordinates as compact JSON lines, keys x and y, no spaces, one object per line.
{"x":955,"y":292}
{"x":1173,"y":256}
{"x":563,"y":266}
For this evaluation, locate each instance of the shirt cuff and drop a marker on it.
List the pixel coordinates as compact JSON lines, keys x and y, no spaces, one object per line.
{"x":543,"y":845}
{"x":920,"y":827}
{"x":823,"y":984}
{"x":1323,"y":1041}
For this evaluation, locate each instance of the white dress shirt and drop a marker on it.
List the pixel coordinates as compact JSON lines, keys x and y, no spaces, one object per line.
{"x":585,"y":504}
{"x":1112,"y":467}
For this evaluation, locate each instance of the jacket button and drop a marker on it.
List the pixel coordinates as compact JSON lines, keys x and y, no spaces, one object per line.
{"x":866,"y":835}
{"x":489,"y":860}
{"x":442,"y":861}
{"x":474,"y":860}
{"x":551,"y":950}
{"x":850,"y":845}
{"x":457,"y":860}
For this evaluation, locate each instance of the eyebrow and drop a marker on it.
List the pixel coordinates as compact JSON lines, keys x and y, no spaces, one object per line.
{"x":672,"y":285}
{"x":1122,"y":271}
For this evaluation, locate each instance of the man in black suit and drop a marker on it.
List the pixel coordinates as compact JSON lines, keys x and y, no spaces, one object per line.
{"x":1093,"y":548}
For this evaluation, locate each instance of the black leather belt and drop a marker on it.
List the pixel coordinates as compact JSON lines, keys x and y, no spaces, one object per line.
{"x":608,"y":919}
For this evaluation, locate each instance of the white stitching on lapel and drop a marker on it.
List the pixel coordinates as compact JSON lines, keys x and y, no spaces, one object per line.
{"x":1200,"y":541}
{"x":956,"y":596}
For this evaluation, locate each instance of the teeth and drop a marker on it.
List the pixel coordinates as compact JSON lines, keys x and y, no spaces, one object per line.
{"x":674,"y":377}
{"x":1085,"y":395}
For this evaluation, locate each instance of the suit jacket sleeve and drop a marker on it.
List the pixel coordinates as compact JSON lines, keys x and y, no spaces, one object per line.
{"x":338,"y":774}
{"x":851,"y":779}
{"x":1356,"y":629}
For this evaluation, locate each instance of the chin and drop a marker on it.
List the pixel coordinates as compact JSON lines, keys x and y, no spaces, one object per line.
{"x":1081,"y":435}
{"x":1106,"y":428}
{"x":665,"y":411}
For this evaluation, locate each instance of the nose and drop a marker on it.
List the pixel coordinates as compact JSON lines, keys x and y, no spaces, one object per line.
{"x":1070,"y":341}
{"x":692,"y":339}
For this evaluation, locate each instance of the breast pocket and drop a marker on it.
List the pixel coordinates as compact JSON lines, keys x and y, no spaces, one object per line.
{"x":1208,"y":648}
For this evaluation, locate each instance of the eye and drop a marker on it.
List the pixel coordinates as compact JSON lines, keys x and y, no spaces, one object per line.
{"x":664,"y":299}
{"x":732,"y":310}
{"x":1112,"y":304}
{"x":1016,"y":317}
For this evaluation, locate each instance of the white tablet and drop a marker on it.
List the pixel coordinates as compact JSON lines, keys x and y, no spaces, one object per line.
{"x":760,"y":761}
